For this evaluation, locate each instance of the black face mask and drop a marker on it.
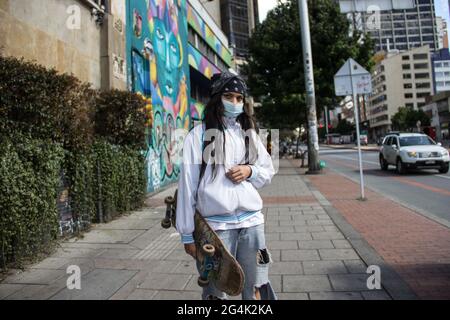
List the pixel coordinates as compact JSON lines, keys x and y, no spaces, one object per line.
{"x":227,"y":82}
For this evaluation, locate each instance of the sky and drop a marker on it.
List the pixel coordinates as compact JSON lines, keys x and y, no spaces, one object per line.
{"x":265,"y":6}
{"x":442,"y":10}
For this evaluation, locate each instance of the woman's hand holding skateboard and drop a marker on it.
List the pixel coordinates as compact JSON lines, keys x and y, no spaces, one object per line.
{"x":239,"y":173}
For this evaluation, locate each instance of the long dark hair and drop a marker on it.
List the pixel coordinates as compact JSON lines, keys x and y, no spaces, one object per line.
{"x":213,"y":119}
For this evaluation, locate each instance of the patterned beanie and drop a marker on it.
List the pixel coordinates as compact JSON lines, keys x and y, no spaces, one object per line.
{"x":227,"y":82}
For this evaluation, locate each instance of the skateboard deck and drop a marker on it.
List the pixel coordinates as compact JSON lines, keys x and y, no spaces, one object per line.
{"x":217,"y":263}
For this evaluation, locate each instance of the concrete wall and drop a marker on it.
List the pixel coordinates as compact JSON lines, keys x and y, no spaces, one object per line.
{"x":37,"y":30}
{"x":47,"y":31}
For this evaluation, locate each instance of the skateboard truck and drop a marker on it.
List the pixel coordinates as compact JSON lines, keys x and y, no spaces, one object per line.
{"x":169,"y":219}
{"x":208,"y":264}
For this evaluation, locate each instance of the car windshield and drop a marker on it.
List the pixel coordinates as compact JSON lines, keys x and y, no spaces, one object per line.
{"x":416,"y":141}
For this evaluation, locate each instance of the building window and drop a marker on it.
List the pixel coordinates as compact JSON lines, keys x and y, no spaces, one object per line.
{"x":420,"y":56}
{"x":422,"y":75}
{"x":406,"y":66}
{"x":407,"y":86}
{"x":423,"y":85}
{"x":422,"y":94}
{"x":405,"y":57}
{"x":421,"y":66}
{"x":407,"y":76}
{"x":438,"y":65}
{"x":408,"y":95}
{"x":409,"y":105}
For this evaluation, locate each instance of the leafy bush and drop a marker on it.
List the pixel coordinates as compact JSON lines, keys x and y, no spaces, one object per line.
{"x":121,"y":118}
{"x":45,"y":104}
{"x":29,"y":177}
{"x":119,"y":177}
{"x":101,"y":160}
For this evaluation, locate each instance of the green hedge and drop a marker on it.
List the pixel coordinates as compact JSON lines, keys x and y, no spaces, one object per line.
{"x":29,"y":177}
{"x":107,"y":181}
{"x":120,"y":174}
{"x":44,"y":104}
{"x":120,"y":118}
{"x":92,"y":138}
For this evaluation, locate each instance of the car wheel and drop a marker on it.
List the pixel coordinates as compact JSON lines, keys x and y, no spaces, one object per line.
{"x":444,"y":168}
{"x":383,"y":163}
{"x":400,"y":167}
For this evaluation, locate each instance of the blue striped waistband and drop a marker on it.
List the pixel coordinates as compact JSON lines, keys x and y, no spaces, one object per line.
{"x":233,"y":218}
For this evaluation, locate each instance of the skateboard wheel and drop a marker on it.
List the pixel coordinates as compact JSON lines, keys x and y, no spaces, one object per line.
{"x":166,"y":224}
{"x":169,"y":200}
{"x":202,"y":282}
{"x":209,"y":250}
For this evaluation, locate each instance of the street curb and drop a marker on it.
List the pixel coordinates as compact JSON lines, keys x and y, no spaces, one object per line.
{"x":351,"y":148}
{"x":391,"y":281}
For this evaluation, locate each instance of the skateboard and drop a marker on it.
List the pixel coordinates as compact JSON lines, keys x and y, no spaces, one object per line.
{"x":217,"y":264}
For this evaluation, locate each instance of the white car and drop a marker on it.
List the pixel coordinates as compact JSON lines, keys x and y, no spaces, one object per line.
{"x":413,"y":151}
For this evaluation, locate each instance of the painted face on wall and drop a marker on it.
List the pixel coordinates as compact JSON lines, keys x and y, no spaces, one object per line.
{"x":168,"y":53}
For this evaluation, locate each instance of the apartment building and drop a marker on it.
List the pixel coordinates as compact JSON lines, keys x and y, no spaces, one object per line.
{"x":401,"y":29}
{"x":441,"y":70}
{"x":399,"y":80}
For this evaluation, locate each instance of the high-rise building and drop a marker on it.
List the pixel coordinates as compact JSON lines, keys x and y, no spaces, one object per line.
{"x":441,"y":70}
{"x":238,"y":20}
{"x":401,"y":29}
{"x":399,"y":80}
{"x":441,"y":25}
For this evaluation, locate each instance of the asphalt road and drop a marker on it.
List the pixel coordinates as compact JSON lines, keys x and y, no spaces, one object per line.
{"x":425,"y":191}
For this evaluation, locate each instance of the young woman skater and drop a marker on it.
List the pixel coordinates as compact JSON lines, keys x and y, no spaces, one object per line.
{"x":224,"y":162}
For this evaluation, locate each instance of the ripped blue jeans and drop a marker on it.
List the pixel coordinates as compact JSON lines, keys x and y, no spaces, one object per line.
{"x":248,"y":246}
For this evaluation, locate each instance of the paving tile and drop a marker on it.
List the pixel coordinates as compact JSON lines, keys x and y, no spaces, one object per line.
{"x":281,"y":245}
{"x":306,"y":283}
{"x":161,"y":281}
{"x":375,"y":295}
{"x":336,"y":296}
{"x":299,"y":255}
{"x":99,"y":284}
{"x":324,"y":267}
{"x":296,"y":236}
{"x":349,"y":282}
{"x":9,"y":289}
{"x":142,"y":294}
{"x":283,"y":268}
{"x":315,"y":244}
{"x":338,"y":254}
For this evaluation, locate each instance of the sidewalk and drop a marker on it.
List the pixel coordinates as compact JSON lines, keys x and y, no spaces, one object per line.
{"x":417,"y":248}
{"x":317,"y":254}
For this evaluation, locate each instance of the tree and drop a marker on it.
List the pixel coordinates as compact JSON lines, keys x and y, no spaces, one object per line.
{"x":406,"y":119}
{"x":345,"y":127}
{"x":275,"y":67}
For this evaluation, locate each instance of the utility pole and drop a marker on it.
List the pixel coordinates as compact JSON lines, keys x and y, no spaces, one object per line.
{"x":313,"y":138}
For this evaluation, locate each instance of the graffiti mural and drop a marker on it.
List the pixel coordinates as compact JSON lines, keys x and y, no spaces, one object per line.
{"x":197,"y":110}
{"x":201,"y":63}
{"x":202,"y":28}
{"x":158,"y":69}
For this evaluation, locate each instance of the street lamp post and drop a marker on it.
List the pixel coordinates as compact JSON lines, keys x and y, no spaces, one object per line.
{"x":313,"y":139}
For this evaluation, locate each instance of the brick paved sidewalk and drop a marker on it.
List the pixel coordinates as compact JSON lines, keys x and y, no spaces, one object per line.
{"x":134,"y":258}
{"x":415,"y":246}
